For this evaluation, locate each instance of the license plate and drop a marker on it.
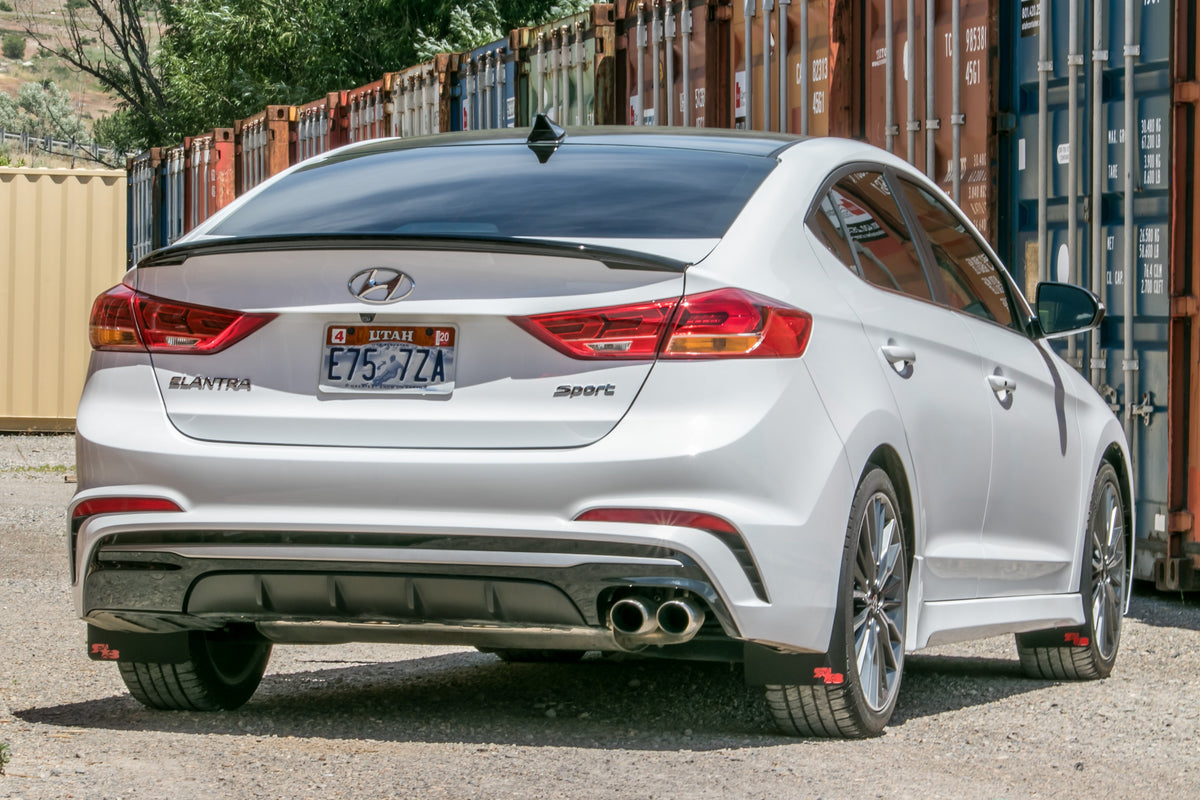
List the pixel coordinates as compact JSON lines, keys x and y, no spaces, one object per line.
{"x":396,"y":359}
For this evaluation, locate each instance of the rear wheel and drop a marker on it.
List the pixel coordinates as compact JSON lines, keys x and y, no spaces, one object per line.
{"x":869,"y":656}
{"x":1089,"y":652}
{"x":222,"y":671}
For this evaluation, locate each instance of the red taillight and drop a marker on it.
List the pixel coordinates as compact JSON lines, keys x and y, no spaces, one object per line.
{"x":122,"y":505}
{"x":123,"y":319}
{"x":112,"y":325}
{"x":659,"y":516}
{"x":628,"y":332}
{"x":719,"y":324}
{"x":730,"y":322}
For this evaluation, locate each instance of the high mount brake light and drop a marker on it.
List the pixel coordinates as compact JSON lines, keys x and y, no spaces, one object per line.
{"x":726,"y":323}
{"x":124,"y":319}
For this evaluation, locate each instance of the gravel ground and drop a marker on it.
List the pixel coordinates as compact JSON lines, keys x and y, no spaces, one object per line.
{"x":368,"y":721}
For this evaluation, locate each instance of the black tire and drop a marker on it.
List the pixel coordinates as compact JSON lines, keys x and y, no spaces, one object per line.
{"x":1089,"y":652}
{"x":518,"y":656}
{"x":222,"y":671}
{"x":872,"y":610}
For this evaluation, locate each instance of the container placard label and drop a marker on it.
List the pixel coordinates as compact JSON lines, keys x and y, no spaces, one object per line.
{"x":1151,"y":143}
{"x":1031,"y":17}
{"x":1152,"y":249}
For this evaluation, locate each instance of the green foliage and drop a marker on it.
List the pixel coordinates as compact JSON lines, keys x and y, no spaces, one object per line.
{"x":41,"y":109}
{"x":181,"y":67}
{"x":13,"y":46}
{"x":224,"y":60}
{"x":119,"y":131}
{"x":478,"y":23}
{"x":5,"y":756}
{"x":5,"y":6}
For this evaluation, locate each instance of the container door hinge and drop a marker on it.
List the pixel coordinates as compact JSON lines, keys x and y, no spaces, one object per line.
{"x":1187,"y":92}
{"x":1184,"y":306}
{"x":1109,"y":394}
{"x":1144,"y":409}
{"x":1006,"y":122}
{"x":1180,"y":521}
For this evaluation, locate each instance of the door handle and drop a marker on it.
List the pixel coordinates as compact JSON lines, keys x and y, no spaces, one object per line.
{"x":1001,"y":384}
{"x":899,"y":357}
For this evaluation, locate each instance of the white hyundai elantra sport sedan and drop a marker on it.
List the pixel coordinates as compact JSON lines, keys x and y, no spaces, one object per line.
{"x":692,"y":394}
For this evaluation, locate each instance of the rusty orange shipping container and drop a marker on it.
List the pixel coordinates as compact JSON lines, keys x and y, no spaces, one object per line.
{"x":883,"y":71}
{"x":320,"y":126}
{"x":211,"y":174}
{"x":210,"y":182}
{"x":366,"y":116}
{"x":422,"y":99}
{"x":672,"y":62}
{"x":263,"y":146}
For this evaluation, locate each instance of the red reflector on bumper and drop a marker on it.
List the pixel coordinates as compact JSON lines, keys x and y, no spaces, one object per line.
{"x":122,"y":505}
{"x":659,"y":516}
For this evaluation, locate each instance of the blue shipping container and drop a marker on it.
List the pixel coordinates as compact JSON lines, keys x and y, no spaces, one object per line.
{"x":1085,"y":185}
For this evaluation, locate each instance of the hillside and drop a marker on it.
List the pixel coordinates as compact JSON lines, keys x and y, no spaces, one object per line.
{"x":89,"y":99}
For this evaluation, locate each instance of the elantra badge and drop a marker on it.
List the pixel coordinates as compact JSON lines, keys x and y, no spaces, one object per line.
{"x":379,"y":285}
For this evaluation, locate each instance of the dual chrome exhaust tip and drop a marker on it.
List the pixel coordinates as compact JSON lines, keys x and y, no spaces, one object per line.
{"x":637,"y":621}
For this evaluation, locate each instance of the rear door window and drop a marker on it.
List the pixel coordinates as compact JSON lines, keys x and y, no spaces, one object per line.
{"x":882,"y":244}
{"x":827,"y":227}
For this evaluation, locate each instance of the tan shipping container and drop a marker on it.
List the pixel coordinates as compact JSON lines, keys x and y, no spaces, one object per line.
{"x":63,"y":235}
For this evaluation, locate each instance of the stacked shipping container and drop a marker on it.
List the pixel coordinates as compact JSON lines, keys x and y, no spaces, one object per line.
{"x":209,"y":184}
{"x":366,"y":117}
{"x":263,"y":146}
{"x":686,"y":45}
{"x":488,"y":86}
{"x":423,"y":98}
{"x":570,"y":66}
{"x":1066,"y":131}
{"x":1084,"y":172}
{"x":319,"y":126}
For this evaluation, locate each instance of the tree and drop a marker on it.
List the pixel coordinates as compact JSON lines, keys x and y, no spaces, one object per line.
{"x":41,"y":110}
{"x":184,"y":66}
{"x":114,"y":41}
{"x":13,"y":46}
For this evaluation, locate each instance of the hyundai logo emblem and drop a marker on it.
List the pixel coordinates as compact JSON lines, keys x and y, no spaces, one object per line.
{"x":379,"y":285}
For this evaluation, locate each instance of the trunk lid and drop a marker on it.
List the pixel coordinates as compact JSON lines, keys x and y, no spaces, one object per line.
{"x":317,"y":373}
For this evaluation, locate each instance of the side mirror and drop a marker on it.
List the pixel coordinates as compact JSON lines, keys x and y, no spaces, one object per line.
{"x":1064,"y":309}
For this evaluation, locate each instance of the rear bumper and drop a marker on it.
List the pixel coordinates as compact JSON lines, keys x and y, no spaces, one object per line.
{"x":337,"y":531}
{"x":162,"y":582}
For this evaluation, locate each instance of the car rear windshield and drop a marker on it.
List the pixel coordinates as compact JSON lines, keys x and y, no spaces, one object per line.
{"x":504,"y":190}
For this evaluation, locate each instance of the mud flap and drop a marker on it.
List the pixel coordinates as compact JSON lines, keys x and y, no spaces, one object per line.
{"x":766,"y":666}
{"x":152,"y":648}
{"x":1058,"y":637}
